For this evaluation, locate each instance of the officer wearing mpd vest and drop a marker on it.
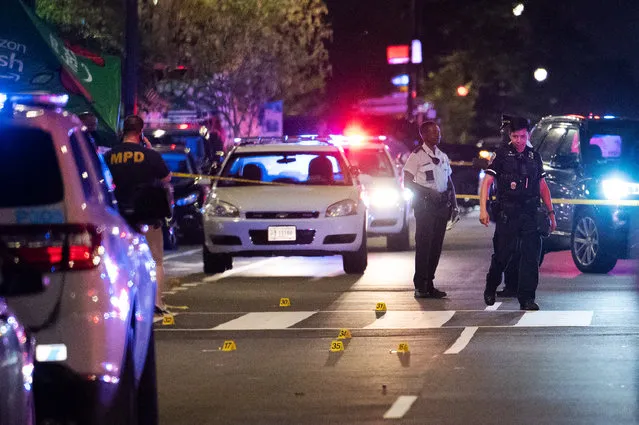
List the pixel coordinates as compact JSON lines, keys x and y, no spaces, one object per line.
{"x":427,"y":173}
{"x":519,"y":176}
{"x":134,"y":166}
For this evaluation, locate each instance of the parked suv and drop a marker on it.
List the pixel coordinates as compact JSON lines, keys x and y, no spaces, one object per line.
{"x":590,"y":158}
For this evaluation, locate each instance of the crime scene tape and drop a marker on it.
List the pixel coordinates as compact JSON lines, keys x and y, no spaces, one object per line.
{"x":604,"y":202}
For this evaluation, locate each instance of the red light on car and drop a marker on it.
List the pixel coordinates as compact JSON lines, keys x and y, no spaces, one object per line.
{"x":183,"y":126}
{"x":173,"y":147}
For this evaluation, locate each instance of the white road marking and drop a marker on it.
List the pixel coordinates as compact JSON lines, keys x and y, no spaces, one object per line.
{"x":400,"y":407}
{"x":191,"y":285}
{"x":270,"y":320}
{"x":240,"y":269}
{"x":182,"y":254}
{"x":555,"y":318}
{"x":168,"y":293}
{"x":411,"y":320}
{"x":493,"y":307}
{"x":462,"y":341}
{"x":179,"y":288}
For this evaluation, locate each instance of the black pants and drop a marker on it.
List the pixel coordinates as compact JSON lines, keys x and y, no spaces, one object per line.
{"x":429,"y":239}
{"x":520,"y":227}
{"x":511,"y":274}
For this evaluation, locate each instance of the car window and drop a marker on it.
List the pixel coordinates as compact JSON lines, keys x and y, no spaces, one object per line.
{"x":177,"y":162}
{"x":570,"y":143}
{"x":28,"y":179}
{"x":551,"y":143}
{"x":371,"y":162}
{"x":105,"y":179}
{"x":611,"y":141}
{"x":304,"y":168}
{"x":536,"y":136}
{"x":83,"y":168}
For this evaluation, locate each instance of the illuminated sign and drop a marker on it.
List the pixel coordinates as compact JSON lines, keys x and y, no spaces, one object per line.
{"x":398,"y":54}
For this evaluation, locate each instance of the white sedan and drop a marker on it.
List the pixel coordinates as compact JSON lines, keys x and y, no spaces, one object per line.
{"x":288,"y":199}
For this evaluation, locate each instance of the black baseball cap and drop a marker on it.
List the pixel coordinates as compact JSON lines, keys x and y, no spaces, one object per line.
{"x":514,"y":123}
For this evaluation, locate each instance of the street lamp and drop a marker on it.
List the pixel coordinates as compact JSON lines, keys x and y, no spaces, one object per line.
{"x":541,"y":74}
{"x":518,"y":9}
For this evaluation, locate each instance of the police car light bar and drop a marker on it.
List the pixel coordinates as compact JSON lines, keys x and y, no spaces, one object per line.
{"x":34,"y":99}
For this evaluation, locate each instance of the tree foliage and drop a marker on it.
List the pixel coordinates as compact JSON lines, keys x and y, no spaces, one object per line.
{"x":238,"y":54}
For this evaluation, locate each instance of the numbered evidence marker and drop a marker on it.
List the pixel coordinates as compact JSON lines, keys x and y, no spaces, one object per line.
{"x":229,"y":346}
{"x":285,"y":302}
{"x":344,"y":334}
{"x":380,"y":307}
{"x":337,"y":346}
{"x":168,"y":320}
{"x":403,"y":348}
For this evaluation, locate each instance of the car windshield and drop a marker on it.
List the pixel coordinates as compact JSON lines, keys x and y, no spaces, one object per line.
{"x":193,"y":141}
{"x":371,"y":162}
{"x":29,"y":179}
{"x":304,"y":168}
{"x":610,"y":141}
{"x":177,"y":162}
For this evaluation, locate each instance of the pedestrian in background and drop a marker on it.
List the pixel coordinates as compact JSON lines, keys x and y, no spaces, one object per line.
{"x":427,"y":174}
{"x":519,"y":177}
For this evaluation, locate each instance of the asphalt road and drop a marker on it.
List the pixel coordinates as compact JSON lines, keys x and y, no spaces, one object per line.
{"x":574,"y":362}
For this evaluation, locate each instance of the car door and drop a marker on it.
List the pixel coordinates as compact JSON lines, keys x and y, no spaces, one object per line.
{"x":560,"y":155}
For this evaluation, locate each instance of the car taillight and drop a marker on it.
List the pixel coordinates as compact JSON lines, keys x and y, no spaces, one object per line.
{"x":50,"y":248}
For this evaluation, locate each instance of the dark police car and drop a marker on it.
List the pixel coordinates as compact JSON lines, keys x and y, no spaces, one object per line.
{"x":189,"y":193}
{"x":590,"y":158}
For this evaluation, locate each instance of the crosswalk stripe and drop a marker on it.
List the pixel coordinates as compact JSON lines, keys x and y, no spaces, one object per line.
{"x":555,"y":318}
{"x":266,"y":321}
{"x":411,"y":320}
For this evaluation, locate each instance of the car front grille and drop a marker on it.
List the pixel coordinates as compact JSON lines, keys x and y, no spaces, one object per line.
{"x":275,"y":215}
{"x":383,"y":223}
{"x":302,"y":237}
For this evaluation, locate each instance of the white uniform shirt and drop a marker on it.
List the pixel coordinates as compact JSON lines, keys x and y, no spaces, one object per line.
{"x":420,"y":164}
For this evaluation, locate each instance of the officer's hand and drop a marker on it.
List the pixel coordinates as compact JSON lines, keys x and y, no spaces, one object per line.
{"x":484,"y":218}
{"x":553,"y":223}
{"x":147,"y":144}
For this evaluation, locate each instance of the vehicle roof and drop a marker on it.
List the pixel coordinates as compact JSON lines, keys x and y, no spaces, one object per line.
{"x":581,"y":118}
{"x":306,"y":146}
{"x":44,"y":118}
{"x":171,"y":149}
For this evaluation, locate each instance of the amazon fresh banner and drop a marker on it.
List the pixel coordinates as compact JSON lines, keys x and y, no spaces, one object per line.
{"x":33,"y":58}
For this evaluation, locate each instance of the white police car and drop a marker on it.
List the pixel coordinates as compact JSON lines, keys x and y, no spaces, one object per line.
{"x":388,"y":200}
{"x":92,"y":323}
{"x":279,"y":197}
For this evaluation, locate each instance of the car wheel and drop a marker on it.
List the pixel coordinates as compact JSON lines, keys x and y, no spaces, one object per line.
{"x":356,"y":262}
{"x":216,"y":263}
{"x":588,"y":252}
{"x":399,"y":241}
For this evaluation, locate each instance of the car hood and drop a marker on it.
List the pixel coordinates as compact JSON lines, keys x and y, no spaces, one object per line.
{"x":285,"y":198}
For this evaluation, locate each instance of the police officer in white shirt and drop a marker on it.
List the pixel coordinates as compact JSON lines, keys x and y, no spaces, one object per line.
{"x":427,"y":173}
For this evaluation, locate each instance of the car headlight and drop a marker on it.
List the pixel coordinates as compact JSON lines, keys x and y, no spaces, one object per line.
{"x":342,"y":208}
{"x":222,"y":209}
{"x":408,"y":194}
{"x":187,"y":200}
{"x":384,"y":197}
{"x":616,"y":189}
{"x":485,"y":154}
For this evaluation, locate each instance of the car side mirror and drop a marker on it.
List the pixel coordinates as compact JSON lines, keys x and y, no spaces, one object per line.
{"x":563,"y":161}
{"x":15,"y":279}
{"x":481,"y":163}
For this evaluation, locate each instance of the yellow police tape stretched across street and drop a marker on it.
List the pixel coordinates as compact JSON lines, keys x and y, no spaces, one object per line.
{"x":620,"y":203}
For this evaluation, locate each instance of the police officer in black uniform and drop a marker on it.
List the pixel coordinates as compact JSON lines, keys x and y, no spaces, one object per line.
{"x":133,"y":166}
{"x":427,"y":173}
{"x":518,"y":173}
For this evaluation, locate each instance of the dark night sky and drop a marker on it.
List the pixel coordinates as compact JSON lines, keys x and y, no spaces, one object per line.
{"x":363,"y":28}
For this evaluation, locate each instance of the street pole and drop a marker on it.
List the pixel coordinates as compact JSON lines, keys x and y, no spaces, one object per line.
{"x":131,"y":58}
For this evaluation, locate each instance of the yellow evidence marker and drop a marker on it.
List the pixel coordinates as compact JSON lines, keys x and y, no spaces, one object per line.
{"x":229,"y":346}
{"x":168,"y":320}
{"x":285,"y":302}
{"x":403,"y":348}
{"x":337,"y":346}
{"x":380,"y":307}
{"x":344,"y":334}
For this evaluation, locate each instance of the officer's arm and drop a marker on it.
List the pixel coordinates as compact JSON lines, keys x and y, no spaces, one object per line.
{"x":409,"y":181}
{"x":483,"y":193}
{"x":167,"y":179}
{"x":544,"y":192}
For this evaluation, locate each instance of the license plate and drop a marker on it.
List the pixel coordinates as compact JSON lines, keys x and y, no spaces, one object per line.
{"x":281,"y":233}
